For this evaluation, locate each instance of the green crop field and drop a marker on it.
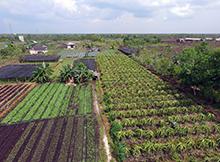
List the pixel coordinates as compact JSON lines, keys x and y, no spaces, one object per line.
{"x":43,"y":102}
{"x":52,"y":100}
{"x":151,"y":121}
{"x":83,"y":99}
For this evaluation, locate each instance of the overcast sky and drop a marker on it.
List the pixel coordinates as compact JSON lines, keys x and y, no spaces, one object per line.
{"x":110,"y":16}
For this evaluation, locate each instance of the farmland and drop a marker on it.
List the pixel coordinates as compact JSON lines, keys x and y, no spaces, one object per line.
{"x":61,"y":139}
{"x":128,"y":103}
{"x":10,"y":95}
{"x":151,"y":121}
{"x":51,"y":101}
{"x":54,"y":122}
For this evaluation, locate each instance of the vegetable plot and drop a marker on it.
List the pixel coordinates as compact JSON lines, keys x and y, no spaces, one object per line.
{"x":83,"y":99}
{"x":44,"y":101}
{"x":151,"y":121}
{"x":61,"y":139}
{"x":11,"y":94}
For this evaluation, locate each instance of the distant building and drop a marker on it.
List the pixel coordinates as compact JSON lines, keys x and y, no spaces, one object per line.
{"x":209,"y":39}
{"x":217,"y":39}
{"x":38,"y":49}
{"x":70,"y":45}
{"x":21,"y":38}
{"x":193,"y":39}
{"x":180,"y":40}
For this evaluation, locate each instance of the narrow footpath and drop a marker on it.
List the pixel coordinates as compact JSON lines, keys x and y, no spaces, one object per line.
{"x":97,"y":111}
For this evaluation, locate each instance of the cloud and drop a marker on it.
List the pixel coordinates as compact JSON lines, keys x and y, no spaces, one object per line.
{"x":182,"y":11}
{"x":66,"y":5}
{"x":99,"y":15}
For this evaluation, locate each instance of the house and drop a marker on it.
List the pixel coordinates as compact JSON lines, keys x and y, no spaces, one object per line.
{"x":38,"y":49}
{"x":217,"y":39}
{"x":70,"y":45}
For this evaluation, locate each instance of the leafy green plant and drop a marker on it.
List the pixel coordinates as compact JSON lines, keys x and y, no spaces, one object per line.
{"x":79,"y":73}
{"x":42,"y":73}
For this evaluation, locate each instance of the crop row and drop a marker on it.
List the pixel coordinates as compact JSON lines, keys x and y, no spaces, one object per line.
{"x":83,"y":99}
{"x":164,"y":132}
{"x":152,"y":112}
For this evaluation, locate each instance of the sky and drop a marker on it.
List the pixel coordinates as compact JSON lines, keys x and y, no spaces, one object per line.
{"x":109,"y":16}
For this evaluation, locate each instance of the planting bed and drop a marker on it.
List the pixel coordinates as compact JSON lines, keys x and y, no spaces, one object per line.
{"x":44,"y":101}
{"x":82,"y":99}
{"x":61,"y":139}
{"x":90,"y":63}
{"x":11,"y":94}
{"x":17,"y":71}
{"x":40,"y":58}
{"x":50,"y":101}
{"x":151,"y":121}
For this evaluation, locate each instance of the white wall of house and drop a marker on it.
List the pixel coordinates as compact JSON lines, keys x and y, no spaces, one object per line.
{"x":34,"y":52}
{"x":71,"y":46}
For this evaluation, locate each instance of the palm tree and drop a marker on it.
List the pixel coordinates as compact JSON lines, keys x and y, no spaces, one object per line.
{"x":42,"y":73}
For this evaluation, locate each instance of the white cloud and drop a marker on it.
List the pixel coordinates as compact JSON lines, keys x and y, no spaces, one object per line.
{"x":182,"y":11}
{"x":109,"y":15}
{"x":68,"y":5}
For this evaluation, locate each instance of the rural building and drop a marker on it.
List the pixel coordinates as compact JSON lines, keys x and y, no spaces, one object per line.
{"x":193,"y":39}
{"x":209,"y":39}
{"x":70,"y":45}
{"x":21,"y":38}
{"x":180,"y":40}
{"x":38,"y":49}
{"x":217,"y":39}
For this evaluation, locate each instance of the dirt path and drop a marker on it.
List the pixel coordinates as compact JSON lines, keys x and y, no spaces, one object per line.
{"x":97,"y":111}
